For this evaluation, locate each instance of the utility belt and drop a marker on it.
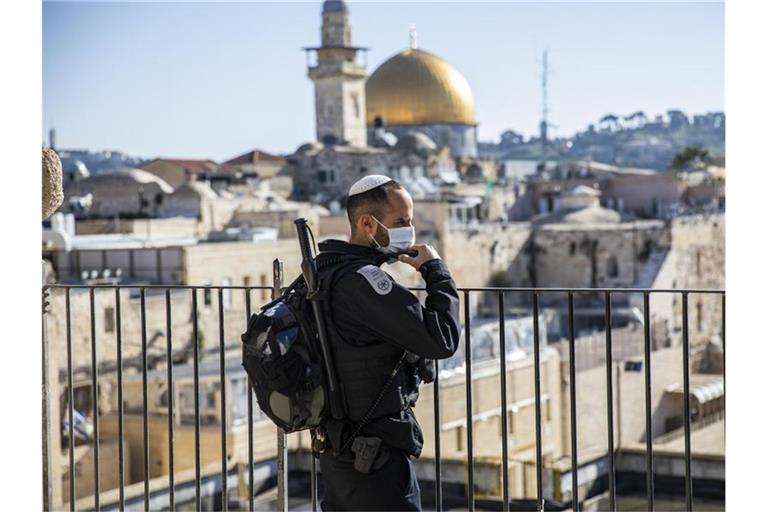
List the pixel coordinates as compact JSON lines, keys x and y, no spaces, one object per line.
{"x":367,"y":453}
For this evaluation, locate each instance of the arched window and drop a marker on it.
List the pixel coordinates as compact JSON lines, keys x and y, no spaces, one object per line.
{"x":612,"y":267}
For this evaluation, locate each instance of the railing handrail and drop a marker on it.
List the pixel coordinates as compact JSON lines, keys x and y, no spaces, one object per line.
{"x":460,"y":288}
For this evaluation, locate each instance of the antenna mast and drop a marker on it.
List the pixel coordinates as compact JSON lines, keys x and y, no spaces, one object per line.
{"x":544,"y":108}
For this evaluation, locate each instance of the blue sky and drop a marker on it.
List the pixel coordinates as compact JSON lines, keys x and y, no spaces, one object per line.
{"x":213,"y":80}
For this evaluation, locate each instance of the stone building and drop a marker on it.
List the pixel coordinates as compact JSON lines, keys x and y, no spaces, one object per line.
{"x":176,"y":171}
{"x":324,"y":173}
{"x":256,"y":161}
{"x":119,"y":193}
{"x":640,"y":192}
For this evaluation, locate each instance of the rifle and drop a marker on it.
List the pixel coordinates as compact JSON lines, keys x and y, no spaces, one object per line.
{"x":309,"y":271}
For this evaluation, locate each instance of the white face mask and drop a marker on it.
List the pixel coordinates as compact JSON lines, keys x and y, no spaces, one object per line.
{"x":399,"y":238}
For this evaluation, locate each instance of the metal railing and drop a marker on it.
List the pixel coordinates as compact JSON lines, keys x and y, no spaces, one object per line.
{"x":533,"y":294}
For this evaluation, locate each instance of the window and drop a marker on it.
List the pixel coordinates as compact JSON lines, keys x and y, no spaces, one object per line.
{"x":209,"y":409}
{"x":263,"y":283}
{"x":207,"y":294}
{"x":699,"y":325}
{"x":109,"y":319}
{"x":612,"y":267}
{"x":356,"y":104}
{"x":459,"y":438}
{"x":572,"y":248}
{"x":326,"y":176}
{"x":698,"y":263}
{"x":210,"y":399}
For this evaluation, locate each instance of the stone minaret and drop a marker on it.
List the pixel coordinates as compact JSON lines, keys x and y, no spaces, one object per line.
{"x":339,"y":81}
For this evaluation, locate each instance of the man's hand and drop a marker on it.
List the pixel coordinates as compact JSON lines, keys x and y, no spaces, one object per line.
{"x":425,"y":254}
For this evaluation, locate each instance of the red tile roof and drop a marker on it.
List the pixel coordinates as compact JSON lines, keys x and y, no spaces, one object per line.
{"x":254,"y":156}
{"x":189,"y":162}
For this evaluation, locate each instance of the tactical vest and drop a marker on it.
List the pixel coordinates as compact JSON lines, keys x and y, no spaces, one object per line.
{"x":363,"y":368}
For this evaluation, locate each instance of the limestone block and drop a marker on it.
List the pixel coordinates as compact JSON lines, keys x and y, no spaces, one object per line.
{"x":53,"y":195}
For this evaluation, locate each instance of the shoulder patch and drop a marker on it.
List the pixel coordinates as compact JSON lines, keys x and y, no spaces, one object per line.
{"x":377,"y":278}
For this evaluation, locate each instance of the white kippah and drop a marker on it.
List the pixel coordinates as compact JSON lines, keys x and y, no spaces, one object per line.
{"x":367,"y":183}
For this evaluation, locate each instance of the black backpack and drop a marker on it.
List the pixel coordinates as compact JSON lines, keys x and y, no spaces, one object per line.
{"x":283,"y":360}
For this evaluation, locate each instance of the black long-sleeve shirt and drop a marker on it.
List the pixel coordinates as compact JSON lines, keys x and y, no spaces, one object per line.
{"x":368,"y":305}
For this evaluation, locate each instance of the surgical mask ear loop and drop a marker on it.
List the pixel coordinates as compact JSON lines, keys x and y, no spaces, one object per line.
{"x":378,"y":245}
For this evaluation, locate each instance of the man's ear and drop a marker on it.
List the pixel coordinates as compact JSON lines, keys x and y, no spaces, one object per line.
{"x":366,"y":225}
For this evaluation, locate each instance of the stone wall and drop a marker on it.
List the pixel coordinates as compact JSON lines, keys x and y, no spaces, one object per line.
{"x":628,"y":402}
{"x":564,"y":253}
{"x":240,"y":263}
{"x":699,"y":246}
{"x":486,"y":410}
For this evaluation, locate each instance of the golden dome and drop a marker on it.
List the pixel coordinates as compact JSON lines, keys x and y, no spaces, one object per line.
{"x":416,"y":87}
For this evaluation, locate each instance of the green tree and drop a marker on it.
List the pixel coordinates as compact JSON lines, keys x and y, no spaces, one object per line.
{"x":688,"y":155}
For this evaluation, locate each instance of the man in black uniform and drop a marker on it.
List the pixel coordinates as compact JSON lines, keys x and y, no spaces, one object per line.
{"x":383,"y":340}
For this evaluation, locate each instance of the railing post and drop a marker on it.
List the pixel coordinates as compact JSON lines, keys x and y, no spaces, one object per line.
{"x":282,"y":449}
{"x":47,"y":437}
{"x":250,"y":410}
